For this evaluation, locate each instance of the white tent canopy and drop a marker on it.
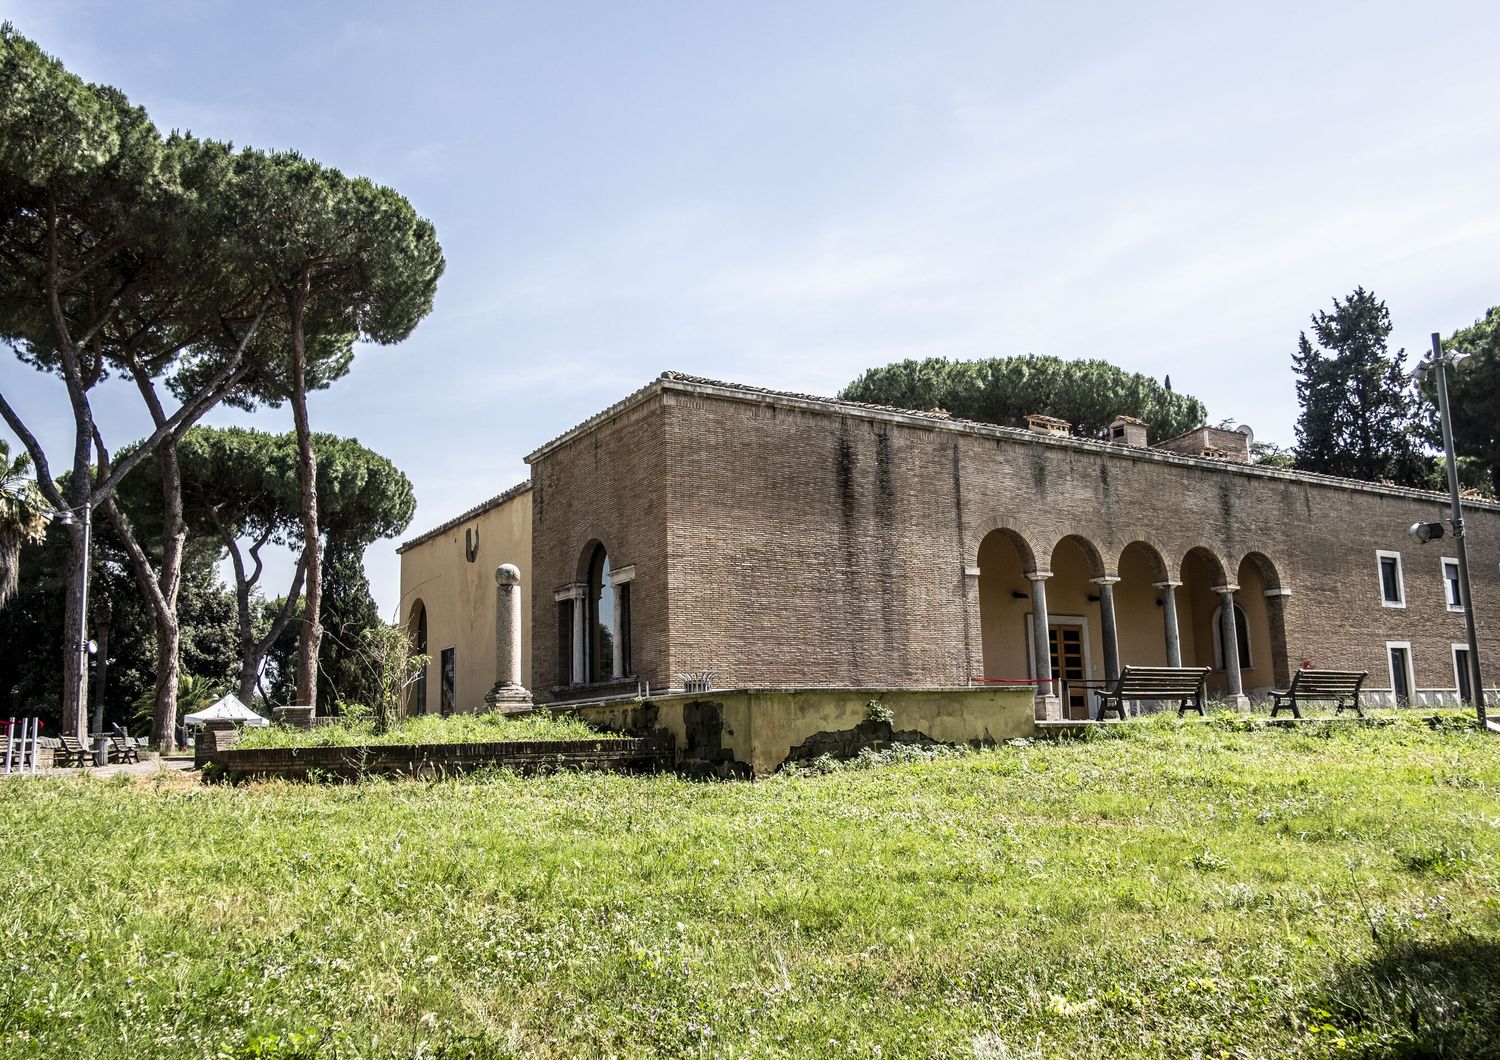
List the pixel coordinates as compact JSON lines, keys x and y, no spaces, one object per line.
{"x":227,"y":709}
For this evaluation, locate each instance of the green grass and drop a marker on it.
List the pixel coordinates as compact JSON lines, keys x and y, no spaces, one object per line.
{"x":428,"y":728}
{"x":1166,"y":889}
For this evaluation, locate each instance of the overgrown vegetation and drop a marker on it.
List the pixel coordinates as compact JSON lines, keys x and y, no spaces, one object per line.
{"x":1168,"y":889}
{"x":1004,"y":390}
{"x":359,"y":727}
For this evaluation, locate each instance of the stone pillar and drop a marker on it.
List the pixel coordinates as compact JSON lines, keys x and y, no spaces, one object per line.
{"x":1107,"y":626}
{"x":580,"y":637}
{"x":1048,"y":705}
{"x":1230,"y":641}
{"x":1169,"y":620}
{"x":619,"y":579}
{"x":508,"y":696}
{"x":1281,"y":670}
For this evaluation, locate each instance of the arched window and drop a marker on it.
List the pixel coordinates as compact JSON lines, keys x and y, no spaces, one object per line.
{"x":419,"y":646}
{"x":1241,"y":634}
{"x":600,"y":623}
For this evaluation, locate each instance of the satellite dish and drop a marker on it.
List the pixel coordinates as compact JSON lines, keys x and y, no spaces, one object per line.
{"x":1244,"y":429}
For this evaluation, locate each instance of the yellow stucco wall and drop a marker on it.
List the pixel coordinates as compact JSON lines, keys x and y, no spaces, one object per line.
{"x":761,"y":726}
{"x":1003,"y":614}
{"x":1141,"y":626}
{"x":459,"y":597}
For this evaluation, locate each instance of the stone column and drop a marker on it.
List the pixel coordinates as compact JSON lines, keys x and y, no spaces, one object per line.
{"x":1230,"y":641}
{"x":580,"y":634}
{"x":1169,"y":620}
{"x":1281,"y":671}
{"x":1048,"y":705}
{"x":508,"y":696}
{"x":1107,"y":626}
{"x":618,"y":580}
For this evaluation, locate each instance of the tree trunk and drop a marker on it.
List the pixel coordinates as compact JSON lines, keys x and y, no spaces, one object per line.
{"x":312,"y":626}
{"x":168,"y":667}
{"x":252,"y":651}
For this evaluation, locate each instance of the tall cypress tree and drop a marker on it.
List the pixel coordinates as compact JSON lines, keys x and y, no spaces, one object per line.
{"x":1360,"y":418}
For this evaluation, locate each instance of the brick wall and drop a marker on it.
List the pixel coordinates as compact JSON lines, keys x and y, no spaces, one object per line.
{"x":605,"y":486}
{"x":790,"y":542}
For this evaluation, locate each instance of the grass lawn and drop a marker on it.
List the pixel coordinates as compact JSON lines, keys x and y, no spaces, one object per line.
{"x":427,"y":728}
{"x":1168,"y":889}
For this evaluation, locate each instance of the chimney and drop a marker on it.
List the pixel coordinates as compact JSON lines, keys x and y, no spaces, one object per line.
{"x":1211,"y":443}
{"x":1127,"y":430}
{"x":1040,"y":424}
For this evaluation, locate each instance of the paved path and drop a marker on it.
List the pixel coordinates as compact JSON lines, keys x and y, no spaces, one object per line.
{"x":159,"y":765}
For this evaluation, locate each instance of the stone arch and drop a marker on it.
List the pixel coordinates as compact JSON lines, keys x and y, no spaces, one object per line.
{"x":1217,"y":569}
{"x":1012,"y":533}
{"x":1154,"y":554}
{"x":1140,"y":604}
{"x":586,"y":554}
{"x":1097,"y":567}
{"x":1203,"y":574}
{"x":1004,"y":560}
{"x":1269,"y":575}
{"x":1263,"y":598}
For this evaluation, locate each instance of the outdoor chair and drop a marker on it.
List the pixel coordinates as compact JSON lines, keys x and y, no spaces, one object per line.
{"x":125,"y":750}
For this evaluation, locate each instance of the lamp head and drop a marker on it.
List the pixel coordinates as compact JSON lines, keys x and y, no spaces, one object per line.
{"x":1422,"y":533}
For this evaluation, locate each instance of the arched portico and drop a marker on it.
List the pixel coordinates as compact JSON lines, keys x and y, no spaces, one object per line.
{"x":1081,"y":634}
{"x":1140,"y":599}
{"x":1207,"y":617}
{"x":1262,"y":599}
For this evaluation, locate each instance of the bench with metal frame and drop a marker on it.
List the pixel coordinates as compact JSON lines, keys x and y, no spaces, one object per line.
{"x":1337,"y":685}
{"x":1182,"y":683}
{"x":73,"y":753}
{"x":125,"y":747}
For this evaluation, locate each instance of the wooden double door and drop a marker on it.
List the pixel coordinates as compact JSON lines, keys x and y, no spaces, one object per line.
{"x":1065,"y":645}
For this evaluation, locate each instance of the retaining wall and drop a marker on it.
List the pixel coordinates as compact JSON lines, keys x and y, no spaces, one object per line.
{"x":646,"y":754}
{"x":754,"y":731}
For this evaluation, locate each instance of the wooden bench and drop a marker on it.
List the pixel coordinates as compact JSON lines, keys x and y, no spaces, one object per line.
{"x":1182,"y":683}
{"x":1337,"y":685}
{"x":73,"y":753}
{"x":125,"y":747}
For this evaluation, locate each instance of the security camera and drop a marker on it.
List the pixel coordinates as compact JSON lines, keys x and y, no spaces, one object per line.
{"x":1422,"y":533}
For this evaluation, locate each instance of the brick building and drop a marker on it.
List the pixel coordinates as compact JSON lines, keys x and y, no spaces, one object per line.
{"x":780,"y":540}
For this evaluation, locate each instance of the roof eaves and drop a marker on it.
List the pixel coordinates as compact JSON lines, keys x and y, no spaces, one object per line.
{"x":458,"y":520}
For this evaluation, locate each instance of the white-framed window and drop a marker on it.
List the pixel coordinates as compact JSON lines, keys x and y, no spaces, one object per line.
{"x":1451,"y":592}
{"x":1403,"y":681}
{"x":1392,"y":585}
{"x":1463,"y":676}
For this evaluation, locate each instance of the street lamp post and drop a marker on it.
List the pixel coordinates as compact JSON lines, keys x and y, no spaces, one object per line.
{"x":1439,"y":362}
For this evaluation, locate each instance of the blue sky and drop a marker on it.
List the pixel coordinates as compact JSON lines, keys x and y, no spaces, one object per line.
{"x":787,"y":193}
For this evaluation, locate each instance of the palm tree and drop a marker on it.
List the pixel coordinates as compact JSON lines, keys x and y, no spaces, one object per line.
{"x":23,"y":517}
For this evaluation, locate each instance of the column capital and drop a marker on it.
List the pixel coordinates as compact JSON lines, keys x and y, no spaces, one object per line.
{"x":1037,"y":575}
{"x":622,"y":576}
{"x":1278,"y":592}
{"x":1226,"y":589}
{"x":971,"y":571}
{"x":1108,"y":579}
{"x":1166,"y":585}
{"x":574,"y":591}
